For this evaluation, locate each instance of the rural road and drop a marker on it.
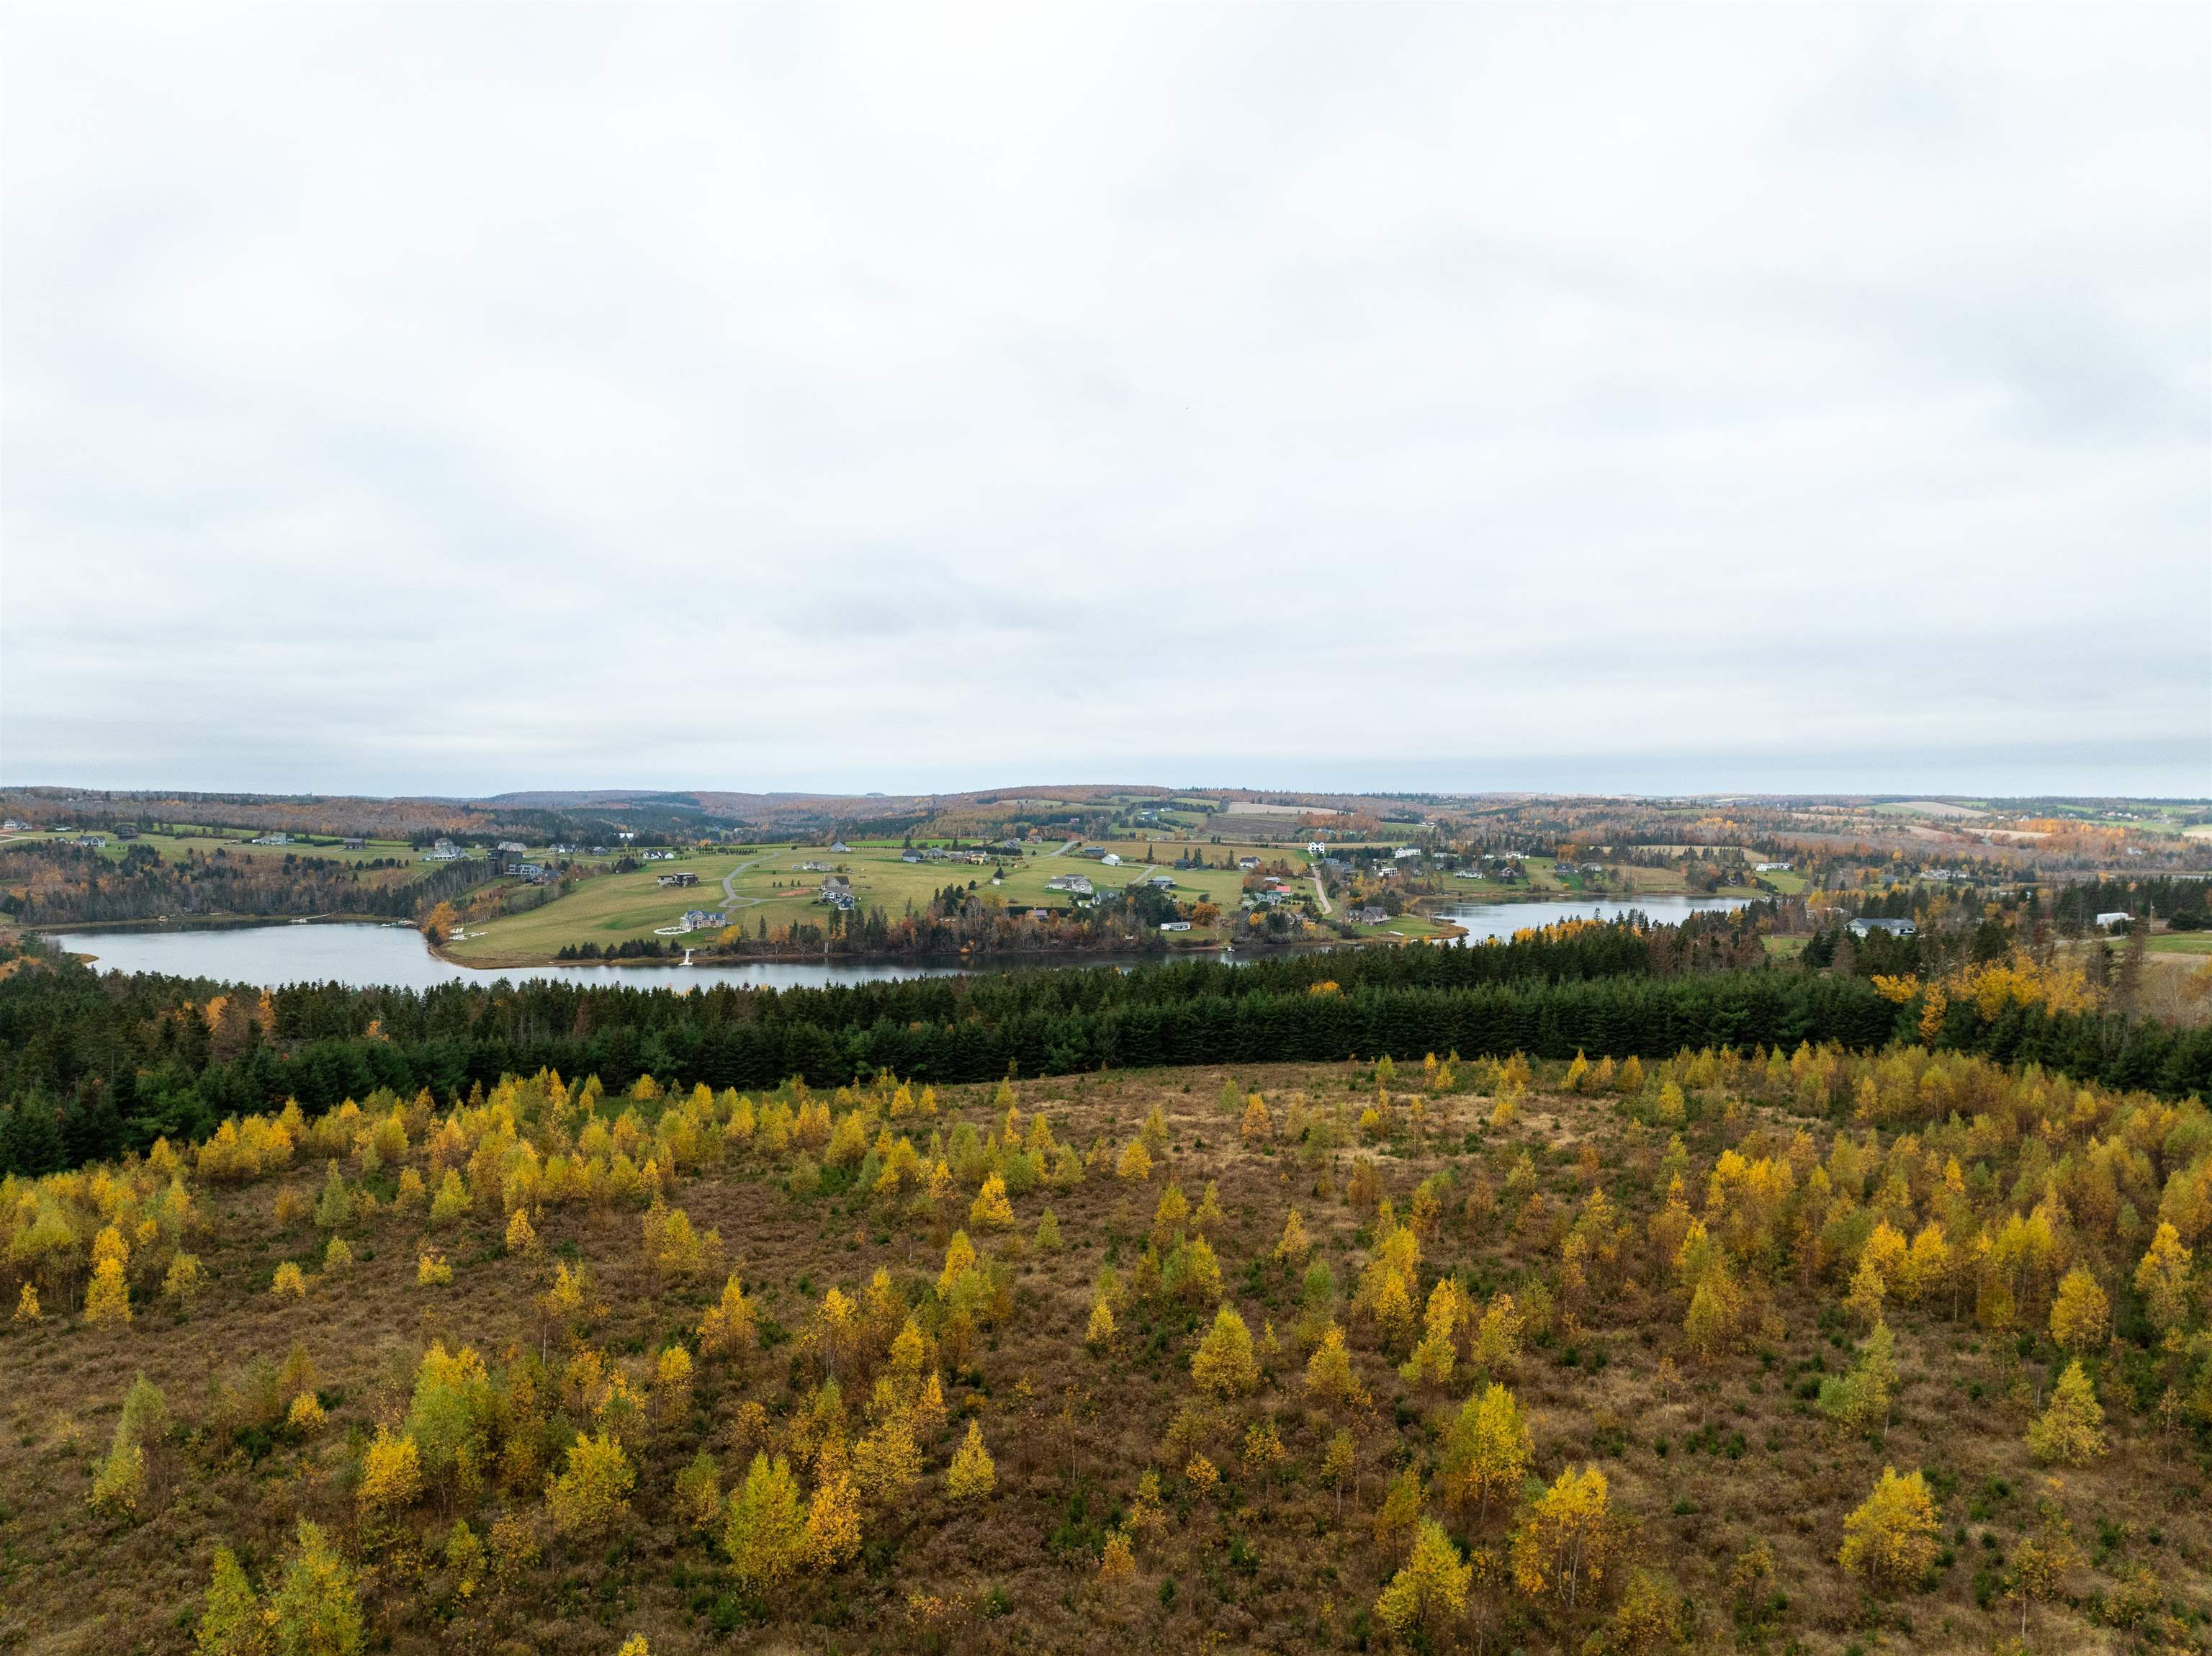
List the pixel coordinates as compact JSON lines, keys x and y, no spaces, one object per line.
{"x":1319,"y":893}
{"x":729,"y":898}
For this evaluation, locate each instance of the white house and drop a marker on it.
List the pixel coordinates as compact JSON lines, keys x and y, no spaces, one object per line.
{"x":1315,"y":846}
{"x":1404,"y":851}
{"x":1866,"y":927}
{"x":1111,"y":859}
{"x":1175,"y":925}
{"x":2106,"y":922}
{"x":1769,"y":868}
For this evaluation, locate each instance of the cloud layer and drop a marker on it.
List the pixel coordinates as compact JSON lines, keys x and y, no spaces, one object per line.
{"x":452,"y":399}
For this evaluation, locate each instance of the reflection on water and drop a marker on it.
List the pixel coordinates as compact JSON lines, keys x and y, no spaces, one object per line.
{"x":270,"y":956}
{"x":1485,"y":920}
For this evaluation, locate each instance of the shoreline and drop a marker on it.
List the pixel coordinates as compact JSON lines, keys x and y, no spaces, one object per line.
{"x":212,"y":923}
{"x":1447,"y":932}
{"x":1443,"y":931}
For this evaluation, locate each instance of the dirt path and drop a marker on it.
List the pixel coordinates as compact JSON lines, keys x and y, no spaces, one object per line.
{"x":1321,"y":895}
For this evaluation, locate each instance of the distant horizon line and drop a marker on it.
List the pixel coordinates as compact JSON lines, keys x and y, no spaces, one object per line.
{"x":585,"y":795}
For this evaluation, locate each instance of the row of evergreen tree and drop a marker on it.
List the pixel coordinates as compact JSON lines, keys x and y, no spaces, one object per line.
{"x":92,"y":1066}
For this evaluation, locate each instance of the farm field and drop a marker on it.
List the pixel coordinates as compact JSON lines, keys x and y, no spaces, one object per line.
{"x":773,"y":888}
{"x":2179,"y":943}
{"x":494,"y":1462}
{"x":173,"y":847}
{"x":606,"y":908}
{"x":1623,"y":881}
{"x":1409,"y":925}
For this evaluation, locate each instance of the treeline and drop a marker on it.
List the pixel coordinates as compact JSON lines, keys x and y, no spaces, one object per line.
{"x":92,"y":1066}
{"x":418,"y":821}
{"x":956,"y":920}
{"x":46,"y":883}
{"x":2185,"y":905}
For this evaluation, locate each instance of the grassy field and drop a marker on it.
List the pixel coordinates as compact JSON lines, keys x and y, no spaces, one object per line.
{"x":1408,"y":925}
{"x":172,"y":847}
{"x":607,"y":908}
{"x":1622,"y":884}
{"x":770,"y":885}
{"x":2179,"y":942}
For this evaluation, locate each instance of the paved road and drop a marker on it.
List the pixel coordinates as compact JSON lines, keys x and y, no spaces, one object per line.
{"x":729,"y":898}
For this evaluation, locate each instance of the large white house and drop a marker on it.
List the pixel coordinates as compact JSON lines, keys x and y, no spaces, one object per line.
{"x":1866,"y":927}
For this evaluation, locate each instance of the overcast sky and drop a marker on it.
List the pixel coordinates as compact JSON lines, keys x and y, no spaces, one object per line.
{"x":450,"y":398}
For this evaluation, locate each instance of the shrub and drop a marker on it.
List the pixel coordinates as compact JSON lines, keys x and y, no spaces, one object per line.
{"x":590,"y":1496}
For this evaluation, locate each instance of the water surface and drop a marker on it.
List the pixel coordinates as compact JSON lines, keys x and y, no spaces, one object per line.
{"x":1487,"y":920}
{"x":270,"y":956}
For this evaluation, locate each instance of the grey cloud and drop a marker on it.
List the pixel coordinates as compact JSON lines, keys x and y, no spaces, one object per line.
{"x":1704,"y":394}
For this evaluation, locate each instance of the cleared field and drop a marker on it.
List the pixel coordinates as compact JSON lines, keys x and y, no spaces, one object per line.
{"x":2179,"y":942}
{"x":606,"y":909}
{"x":174,"y":847}
{"x":1621,"y":881}
{"x":1405,"y":926}
{"x":780,"y":885}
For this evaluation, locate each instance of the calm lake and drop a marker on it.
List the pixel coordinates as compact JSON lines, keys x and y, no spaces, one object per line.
{"x":270,"y":956}
{"x":1483,"y":920}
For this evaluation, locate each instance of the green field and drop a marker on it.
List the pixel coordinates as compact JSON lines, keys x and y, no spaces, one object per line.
{"x":172,"y":847}
{"x":610,"y":909}
{"x":1406,"y":925}
{"x":770,"y":885}
{"x":1622,"y":883}
{"x":758,"y":884}
{"x":2179,"y":943}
